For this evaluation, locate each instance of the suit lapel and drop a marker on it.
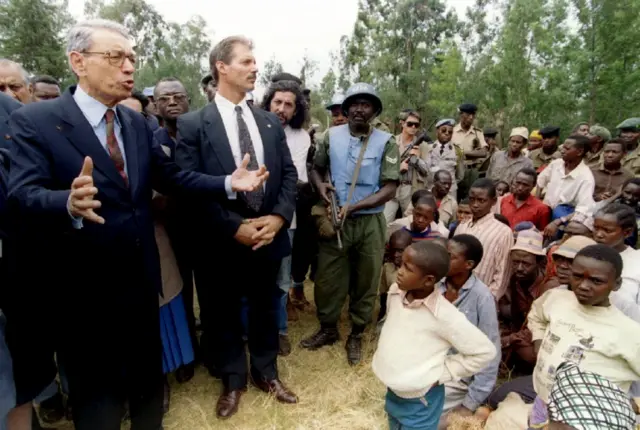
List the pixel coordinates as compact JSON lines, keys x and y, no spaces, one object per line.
{"x":268,"y":149}
{"x":80,"y":134}
{"x":215,"y":131}
{"x":130,"y":137}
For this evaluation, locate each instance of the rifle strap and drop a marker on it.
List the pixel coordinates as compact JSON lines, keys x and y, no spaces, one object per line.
{"x":356,"y":173}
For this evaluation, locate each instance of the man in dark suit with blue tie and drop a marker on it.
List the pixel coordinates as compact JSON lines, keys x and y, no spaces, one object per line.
{"x":84,"y":168}
{"x":243,"y":239}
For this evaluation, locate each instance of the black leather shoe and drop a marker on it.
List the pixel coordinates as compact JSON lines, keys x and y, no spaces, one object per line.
{"x":323,"y":337}
{"x":228,"y":403}
{"x":354,"y":349}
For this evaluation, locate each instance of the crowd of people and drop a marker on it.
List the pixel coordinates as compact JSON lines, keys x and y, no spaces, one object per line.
{"x":119,"y":206}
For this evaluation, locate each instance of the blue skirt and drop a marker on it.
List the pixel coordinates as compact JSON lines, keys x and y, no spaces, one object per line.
{"x":415,"y":414}
{"x":177,"y":349}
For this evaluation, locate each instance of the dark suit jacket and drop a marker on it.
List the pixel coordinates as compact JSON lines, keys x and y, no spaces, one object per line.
{"x":203,"y":146}
{"x":50,"y":141}
{"x":7,"y":105}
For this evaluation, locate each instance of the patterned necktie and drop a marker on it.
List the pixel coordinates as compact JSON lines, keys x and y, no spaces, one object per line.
{"x":112,"y":145}
{"x":254,"y":198}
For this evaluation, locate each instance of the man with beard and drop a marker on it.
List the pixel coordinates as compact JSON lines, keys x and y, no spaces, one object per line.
{"x":364,"y":166}
{"x":286,"y":101}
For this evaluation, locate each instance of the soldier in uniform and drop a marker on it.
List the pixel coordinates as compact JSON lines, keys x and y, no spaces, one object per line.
{"x":490,"y":135}
{"x":630,"y":132}
{"x":471,"y":140}
{"x":443,"y":154}
{"x":354,"y":269}
{"x":598,"y":137}
{"x":544,"y":155}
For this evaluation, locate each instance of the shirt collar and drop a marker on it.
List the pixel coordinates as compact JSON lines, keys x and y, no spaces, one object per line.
{"x":431,"y":302}
{"x":575,"y":172}
{"x":487,"y":218}
{"x":617,"y":171}
{"x":442,"y":285}
{"x":224,"y":103}
{"x":91,"y":108}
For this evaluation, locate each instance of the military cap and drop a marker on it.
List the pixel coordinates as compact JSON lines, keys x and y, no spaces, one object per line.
{"x":600,"y":131}
{"x":446,"y":121}
{"x":286,"y":77}
{"x":489,"y":131}
{"x":550,"y":131}
{"x":206,"y":79}
{"x":468,"y":108}
{"x":336,"y":100}
{"x":630,"y":124}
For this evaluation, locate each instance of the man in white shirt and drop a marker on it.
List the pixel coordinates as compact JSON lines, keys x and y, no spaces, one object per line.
{"x":286,"y":101}
{"x":244,"y":238}
{"x":568,"y":185}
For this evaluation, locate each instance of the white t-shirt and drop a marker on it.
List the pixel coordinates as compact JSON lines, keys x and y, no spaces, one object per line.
{"x":298,"y":142}
{"x":599,"y":339}
{"x":630,"y":274}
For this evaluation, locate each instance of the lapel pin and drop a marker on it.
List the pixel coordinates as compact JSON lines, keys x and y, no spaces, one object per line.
{"x":59,"y":127}
{"x":268,"y":125}
{"x":6,"y":136}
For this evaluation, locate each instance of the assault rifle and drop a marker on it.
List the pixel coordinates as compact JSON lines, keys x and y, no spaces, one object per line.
{"x":335,"y":218}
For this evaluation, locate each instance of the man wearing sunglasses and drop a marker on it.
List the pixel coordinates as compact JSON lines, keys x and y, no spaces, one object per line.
{"x":412,"y":167}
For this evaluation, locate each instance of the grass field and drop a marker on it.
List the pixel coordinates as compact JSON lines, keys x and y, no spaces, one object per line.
{"x":332,"y":394}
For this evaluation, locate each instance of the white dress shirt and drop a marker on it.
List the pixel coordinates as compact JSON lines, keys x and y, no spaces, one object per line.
{"x":574,"y":188}
{"x":94,"y":112}
{"x":228,"y":114}
{"x":299,"y":143}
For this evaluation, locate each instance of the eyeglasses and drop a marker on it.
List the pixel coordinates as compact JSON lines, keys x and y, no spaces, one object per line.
{"x":178,"y":98}
{"x":412,"y":124}
{"x":115,"y":58}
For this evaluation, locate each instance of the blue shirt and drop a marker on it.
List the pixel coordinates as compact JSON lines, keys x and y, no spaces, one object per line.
{"x":477,"y":303}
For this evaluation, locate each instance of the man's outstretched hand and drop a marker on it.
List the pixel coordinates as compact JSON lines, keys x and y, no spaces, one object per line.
{"x":246,"y":180}
{"x":81,"y":201}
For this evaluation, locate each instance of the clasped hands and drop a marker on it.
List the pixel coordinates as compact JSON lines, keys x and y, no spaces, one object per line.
{"x":259,"y":232}
{"x":82,"y":202}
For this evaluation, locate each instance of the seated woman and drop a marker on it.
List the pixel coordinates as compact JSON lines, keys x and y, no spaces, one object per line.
{"x":612,"y":225}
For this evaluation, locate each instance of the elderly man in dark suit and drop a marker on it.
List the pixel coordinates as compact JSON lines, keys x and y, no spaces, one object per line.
{"x":108,"y":304}
{"x":243,"y":239}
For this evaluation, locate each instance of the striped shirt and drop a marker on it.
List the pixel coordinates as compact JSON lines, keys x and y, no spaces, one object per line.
{"x":427,"y":234}
{"x":496,"y":239}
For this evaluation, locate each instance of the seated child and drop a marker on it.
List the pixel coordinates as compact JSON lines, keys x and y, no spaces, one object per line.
{"x":462,"y":214}
{"x":581,"y":326}
{"x":412,"y":358}
{"x":434,"y":225}
{"x":398,"y":242}
{"x":502,"y":188}
{"x":471,"y":297}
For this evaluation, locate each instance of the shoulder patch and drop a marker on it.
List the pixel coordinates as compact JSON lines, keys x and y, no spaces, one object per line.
{"x":391,"y":160}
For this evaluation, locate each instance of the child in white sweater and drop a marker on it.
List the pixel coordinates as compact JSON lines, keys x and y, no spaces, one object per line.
{"x":412,"y":358}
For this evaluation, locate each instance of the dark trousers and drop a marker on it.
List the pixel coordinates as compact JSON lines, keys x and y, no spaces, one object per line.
{"x":112,"y":352}
{"x":305,"y":243}
{"x":249,"y":274}
{"x":523,"y":386}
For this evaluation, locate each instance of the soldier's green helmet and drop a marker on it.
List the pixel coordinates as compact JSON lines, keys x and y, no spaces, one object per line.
{"x":336,"y":100}
{"x":362,"y":89}
{"x":629,"y":124}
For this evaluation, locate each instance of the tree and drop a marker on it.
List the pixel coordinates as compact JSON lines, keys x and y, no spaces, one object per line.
{"x":271,"y":68}
{"x":31,"y":33}
{"x":147,"y":27}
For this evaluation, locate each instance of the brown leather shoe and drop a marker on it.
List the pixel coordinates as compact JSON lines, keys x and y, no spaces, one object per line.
{"x":292,"y":311}
{"x":284,"y":346}
{"x":278,"y":389}
{"x":228,"y":403}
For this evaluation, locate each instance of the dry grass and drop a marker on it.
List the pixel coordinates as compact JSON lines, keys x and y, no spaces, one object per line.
{"x":332,"y":394}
